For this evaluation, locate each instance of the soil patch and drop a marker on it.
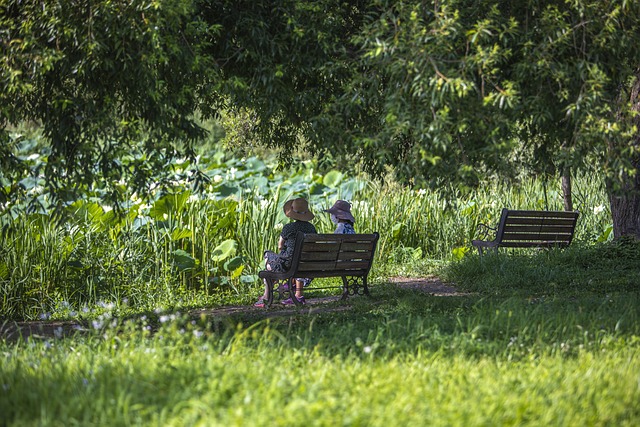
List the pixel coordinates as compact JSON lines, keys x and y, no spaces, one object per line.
{"x":431,"y":285}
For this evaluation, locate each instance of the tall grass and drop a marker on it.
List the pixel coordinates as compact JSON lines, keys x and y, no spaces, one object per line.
{"x":186,"y":250}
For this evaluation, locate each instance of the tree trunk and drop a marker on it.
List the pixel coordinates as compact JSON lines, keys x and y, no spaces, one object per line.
{"x":566,"y":192}
{"x":625,"y":206}
{"x":624,"y":197}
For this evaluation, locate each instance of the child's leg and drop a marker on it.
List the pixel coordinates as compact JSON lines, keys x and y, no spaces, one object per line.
{"x":299,"y":287}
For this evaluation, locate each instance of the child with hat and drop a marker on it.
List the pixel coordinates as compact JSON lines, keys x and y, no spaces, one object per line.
{"x":341,"y":216}
{"x":298,"y":210}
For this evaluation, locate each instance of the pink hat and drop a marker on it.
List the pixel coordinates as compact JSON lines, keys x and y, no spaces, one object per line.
{"x":342,"y":210}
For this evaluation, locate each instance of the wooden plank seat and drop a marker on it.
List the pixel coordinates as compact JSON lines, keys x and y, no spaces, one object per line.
{"x":348,"y":256}
{"x":529,"y":229}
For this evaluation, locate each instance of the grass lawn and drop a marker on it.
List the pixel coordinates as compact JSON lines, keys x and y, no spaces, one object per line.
{"x":542,"y":339}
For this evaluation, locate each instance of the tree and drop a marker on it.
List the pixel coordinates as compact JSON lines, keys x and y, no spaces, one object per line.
{"x":454,"y":86}
{"x":105,"y":78}
{"x":101,"y":77}
{"x":440,"y":89}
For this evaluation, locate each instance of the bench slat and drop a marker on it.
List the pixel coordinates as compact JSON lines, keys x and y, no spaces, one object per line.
{"x":315,"y":266}
{"x":352,"y":264}
{"x":508,"y":228}
{"x":539,"y":221}
{"x":358,"y":246}
{"x":544,"y":214}
{"x":543,"y":235}
{"x":532,"y":240}
{"x":320,"y":247}
{"x":346,"y":255}
{"x":330,"y":237}
{"x":318,"y":256}
{"x":521,"y":244}
{"x":305,"y":266}
{"x":337,"y":273}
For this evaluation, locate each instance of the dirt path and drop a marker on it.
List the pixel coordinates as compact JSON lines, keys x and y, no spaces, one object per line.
{"x":57,"y":329}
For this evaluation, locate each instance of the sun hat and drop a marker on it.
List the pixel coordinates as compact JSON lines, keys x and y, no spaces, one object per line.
{"x":342,"y":210}
{"x":298,"y":209}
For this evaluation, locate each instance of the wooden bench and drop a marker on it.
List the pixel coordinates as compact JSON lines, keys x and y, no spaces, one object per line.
{"x":348,"y":256}
{"x":529,"y":229}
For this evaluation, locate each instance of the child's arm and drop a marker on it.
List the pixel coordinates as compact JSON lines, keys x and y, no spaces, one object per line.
{"x":280,"y":243}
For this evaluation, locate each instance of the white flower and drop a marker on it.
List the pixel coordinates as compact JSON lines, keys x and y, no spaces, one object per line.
{"x":217,"y":178}
{"x":598,"y":209}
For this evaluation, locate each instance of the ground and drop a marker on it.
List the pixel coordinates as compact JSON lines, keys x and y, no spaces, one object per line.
{"x":55,"y":329}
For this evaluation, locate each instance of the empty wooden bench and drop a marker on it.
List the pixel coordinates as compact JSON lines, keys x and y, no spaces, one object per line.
{"x":348,"y":256}
{"x":529,"y":229}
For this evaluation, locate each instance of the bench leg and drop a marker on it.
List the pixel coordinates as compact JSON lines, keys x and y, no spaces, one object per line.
{"x":285,"y":288}
{"x":269,"y":284}
{"x":354,"y":286}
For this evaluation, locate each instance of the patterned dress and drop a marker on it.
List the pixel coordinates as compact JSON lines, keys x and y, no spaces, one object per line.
{"x":345,"y":228}
{"x":280,"y":262}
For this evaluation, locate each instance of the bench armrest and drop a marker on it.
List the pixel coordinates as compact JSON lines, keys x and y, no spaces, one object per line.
{"x":483,"y":229}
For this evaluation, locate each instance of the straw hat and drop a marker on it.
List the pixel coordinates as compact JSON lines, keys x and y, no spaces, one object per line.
{"x":342,"y":210}
{"x":298,"y":209}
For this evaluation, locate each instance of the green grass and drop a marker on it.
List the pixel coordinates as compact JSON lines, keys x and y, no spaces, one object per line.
{"x":578,"y":270}
{"x":513,"y":350}
{"x":397,"y":360}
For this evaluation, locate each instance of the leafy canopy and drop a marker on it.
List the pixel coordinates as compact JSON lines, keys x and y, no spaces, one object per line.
{"x":449,"y":89}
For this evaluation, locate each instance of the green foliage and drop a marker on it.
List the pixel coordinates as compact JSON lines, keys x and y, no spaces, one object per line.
{"x":182,"y":248}
{"x":100,"y":77}
{"x":438,"y":90}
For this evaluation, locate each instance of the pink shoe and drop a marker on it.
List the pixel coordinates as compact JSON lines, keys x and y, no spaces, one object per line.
{"x":259,"y":303}
{"x":290,"y":301}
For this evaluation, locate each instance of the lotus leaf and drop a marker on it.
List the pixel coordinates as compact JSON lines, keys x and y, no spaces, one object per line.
{"x":224,"y":250}
{"x":332,"y":178}
{"x":183,"y":260}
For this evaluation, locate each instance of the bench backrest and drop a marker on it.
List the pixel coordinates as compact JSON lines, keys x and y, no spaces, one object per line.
{"x":520,"y":228}
{"x":330,"y":255}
